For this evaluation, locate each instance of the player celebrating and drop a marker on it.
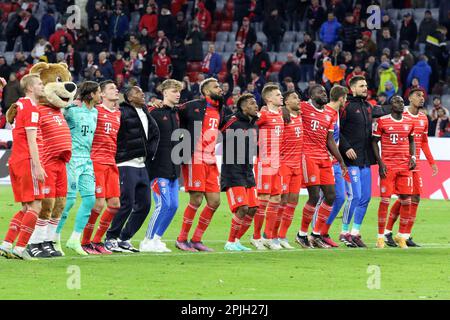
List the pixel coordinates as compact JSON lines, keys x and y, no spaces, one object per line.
{"x":268,"y":180}
{"x":163,"y":172}
{"x":318,"y":124}
{"x":416,"y":99}
{"x":26,"y":171}
{"x":202,"y":119}
{"x":290,"y":170}
{"x":396,"y":132}
{"x":104,"y":147}
{"x":82,"y":121}
{"x":237,"y":178}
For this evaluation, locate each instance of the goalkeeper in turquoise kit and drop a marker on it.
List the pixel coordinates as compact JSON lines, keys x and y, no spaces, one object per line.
{"x":82,"y":121}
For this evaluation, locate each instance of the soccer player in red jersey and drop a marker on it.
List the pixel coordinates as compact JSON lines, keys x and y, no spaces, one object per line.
{"x":201,"y":119}
{"x":107,"y":188}
{"x":396,"y":133}
{"x":416,"y":99}
{"x":268,"y":179}
{"x":318,"y":140}
{"x":26,"y":170}
{"x":290,"y":170}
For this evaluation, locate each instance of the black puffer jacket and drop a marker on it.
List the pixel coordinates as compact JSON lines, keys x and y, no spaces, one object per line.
{"x":131,"y":140}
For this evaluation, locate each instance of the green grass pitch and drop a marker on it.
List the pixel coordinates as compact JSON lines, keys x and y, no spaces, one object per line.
{"x":417,"y":273}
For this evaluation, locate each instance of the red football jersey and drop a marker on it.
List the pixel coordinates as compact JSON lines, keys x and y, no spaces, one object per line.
{"x":104,"y":145}
{"x":292,"y":145}
{"x":57,"y":142}
{"x":206,"y":147}
{"x":420,"y":131}
{"x":270,"y":132}
{"x":394,"y":140}
{"x":316,"y":125}
{"x":27,"y":118}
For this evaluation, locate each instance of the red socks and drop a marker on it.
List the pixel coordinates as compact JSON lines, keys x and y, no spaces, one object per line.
{"x":14,"y":227}
{"x":105,"y":222}
{"x":236,"y":224}
{"x":89,"y":229}
{"x":412,"y":215}
{"x":189,"y":214}
{"x":259,"y":218}
{"x":203,"y":223}
{"x":322,"y":216}
{"x":271,"y":217}
{"x":286,"y":220}
{"x":382,"y":214}
{"x":308,"y":213}
{"x":276,"y":227}
{"x":393,"y":216}
{"x":27,"y":227}
{"x":246,"y":223}
{"x":405,"y":205}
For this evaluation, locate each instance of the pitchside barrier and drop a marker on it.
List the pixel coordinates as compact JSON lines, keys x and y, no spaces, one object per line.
{"x":437,"y":187}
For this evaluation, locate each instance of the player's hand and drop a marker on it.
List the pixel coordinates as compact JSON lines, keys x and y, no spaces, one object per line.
{"x":435,"y":169}
{"x":343,"y":169}
{"x":412,"y":164}
{"x":351,"y":154}
{"x":2,"y":82}
{"x":39,"y":172}
{"x":156,"y":103}
{"x":382,"y":170}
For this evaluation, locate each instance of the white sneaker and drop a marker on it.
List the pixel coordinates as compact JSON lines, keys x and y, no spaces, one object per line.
{"x":285,"y":244}
{"x":148,"y":245}
{"x":161,"y":246}
{"x":258,"y":244}
{"x":273,"y":244}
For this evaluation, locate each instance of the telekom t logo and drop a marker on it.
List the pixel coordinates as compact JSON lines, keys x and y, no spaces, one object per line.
{"x":314,"y":125}
{"x":57,"y":120}
{"x":394,"y":138}
{"x":213,"y":123}
{"x":108,"y":127}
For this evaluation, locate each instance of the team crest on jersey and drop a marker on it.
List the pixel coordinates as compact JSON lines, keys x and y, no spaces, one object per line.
{"x":327,"y":117}
{"x":284,"y":187}
{"x":313,"y":178}
{"x":422,"y":123}
{"x":406,"y":127}
{"x":98,"y":190}
{"x":266,"y":186}
{"x":197,"y":183}
{"x":383,"y":189}
{"x":239,"y":199}
{"x":46,"y":190}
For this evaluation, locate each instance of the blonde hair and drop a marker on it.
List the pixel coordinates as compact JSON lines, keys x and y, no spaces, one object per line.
{"x":28,"y":80}
{"x":269,"y":88}
{"x":170,"y":84}
{"x":205,"y":82}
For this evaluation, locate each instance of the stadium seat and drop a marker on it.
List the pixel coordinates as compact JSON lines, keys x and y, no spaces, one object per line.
{"x":211,"y":36}
{"x":220,"y":46}
{"x":226,"y":25}
{"x":272,"y":56}
{"x":194,"y":66}
{"x":282,"y":56}
{"x":2,"y":46}
{"x":435,"y":13}
{"x":289,"y":36}
{"x":224,"y":63}
{"x":300,"y":37}
{"x":272,"y":76}
{"x":230,"y":46}
{"x":193,"y":76}
{"x":393,"y":13}
{"x":261,"y":36}
{"x":445,"y":100}
{"x":276,"y":66}
{"x":225,"y":56}
{"x":286,"y":46}
{"x":302,"y":85}
{"x":419,"y":13}
{"x":235,"y":26}
{"x":222,"y":36}
{"x":9,"y":57}
{"x":258,"y":26}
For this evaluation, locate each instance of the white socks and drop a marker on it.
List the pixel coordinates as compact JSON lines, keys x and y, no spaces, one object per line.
{"x":51,"y":229}
{"x":40,"y":232}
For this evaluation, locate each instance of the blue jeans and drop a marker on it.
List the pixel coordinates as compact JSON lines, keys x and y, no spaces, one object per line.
{"x":359,"y":192}
{"x":306,"y":72}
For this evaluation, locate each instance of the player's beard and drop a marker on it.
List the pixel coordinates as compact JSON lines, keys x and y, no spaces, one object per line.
{"x":216,"y":97}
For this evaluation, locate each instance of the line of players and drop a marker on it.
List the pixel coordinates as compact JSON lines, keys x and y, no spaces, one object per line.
{"x":294,"y":139}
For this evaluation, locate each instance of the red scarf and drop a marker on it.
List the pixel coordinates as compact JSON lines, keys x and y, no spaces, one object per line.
{"x":242,"y":35}
{"x":239,"y":61}
{"x":235,"y":79}
{"x":206,"y":62}
{"x":211,"y":103}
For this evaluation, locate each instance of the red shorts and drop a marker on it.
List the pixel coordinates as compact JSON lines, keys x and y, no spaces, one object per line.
{"x":268,"y":180}
{"x":201,"y":177}
{"x":25,"y":185}
{"x":242,"y":196}
{"x":417,"y":183}
{"x":106,"y":181}
{"x":317,"y":172}
{"x":55,"y":185}
{"x":398,"y":182}
{"x":291,"y":179}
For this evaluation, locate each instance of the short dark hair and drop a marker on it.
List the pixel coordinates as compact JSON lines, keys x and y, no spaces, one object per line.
{"x":243,"y":98}
{"x":85,"y":89}
{"x":415,"y":90}
{"x":287,"y":94}
{"x":337,"y":92}
{"x":355,"y":79}
{"x":103,"y":84}
{"x":314,"y":87}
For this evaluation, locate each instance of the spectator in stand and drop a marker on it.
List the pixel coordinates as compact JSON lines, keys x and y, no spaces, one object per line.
{"x":97,"y":40}
{"x":39,"y":49}
{"x":305,"y":53}
{"x":305,"y":93}
{"x":438,"y":55}
{"x":231,"y":101}
{"x":203,"y":17}
{"x":193,"y":42}
{"x":98,"y":76}
{"x":254,"y":11}
{"x":12,"y":30}
{"x":246,"y":34}
{"x":47,"y":24}
{"x":29,"y":26}
{"x":186,"y":94}
{"x":147,"y":66}
{"x":11,"y":92}
{"x":389,"y":90}
{"x":427,"y":27}
{"x":240,"y":59}
{"x":166,"y":22}
{"x":350,"y":31}
{"x":195,"y":88}
{"x":235,"y":79}
{"x":258,"y":81}
{"x":338,"y":9}
{"x":357,"y":71}
{"x":162,"y":41}
{"x":260,"y":63}
{"x":421,"y":71}
{"x":212,"y":63}
{"x":134,"y":67}
{"x":289,"y":70}
{"x":119,"y":25}
{"x":382,"y":99}
{"x":360,"y":54}
{"x":179,"y":59}
{"x":329,"y":31}
{"x":119,"y":65}
{"x":18,"y":62}
{"x":181,"y":25}
{"x":61,"y":30}
{"x":436,"y":107}
{"x":226,"y":91}
{"x":274,"y":29}
{"x":5,"y":70}
{"x":145,"y":39}
{"x":63,"y":44}
{"x":73,"y":60}
{"x":99,"y":14}
{"x":315,"y":14}
{"x":162,"y":65}
{"x":397,"y":65}
{"x":414,"y":85}
{"x":105,"y":66}
{"x":369,"y":45}
{"x":408,"y":30}
{"x":251,"y":89}
{"x":149,"y":21}
{"x":386,"y":22}
{"x":133,"y":43}
{"x":439,"y":125}
{"x":387,"y":73}
{"x":386,"y":41}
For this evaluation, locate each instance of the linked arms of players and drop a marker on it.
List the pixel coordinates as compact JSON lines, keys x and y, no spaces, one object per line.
{"x":331,"y":145}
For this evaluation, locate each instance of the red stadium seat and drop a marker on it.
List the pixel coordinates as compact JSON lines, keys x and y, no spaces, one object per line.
{"x":226,"y":25}
{"x":224,"y":65}
{"x":193,"y":76}
{"x":194,"y":66}
{"x":276,"y":66}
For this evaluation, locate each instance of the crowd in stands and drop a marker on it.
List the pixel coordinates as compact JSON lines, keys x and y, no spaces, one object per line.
{"x":294,"y":42}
